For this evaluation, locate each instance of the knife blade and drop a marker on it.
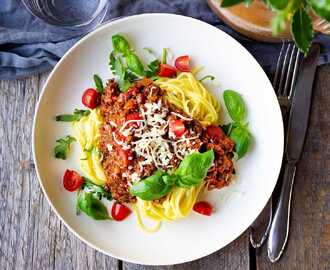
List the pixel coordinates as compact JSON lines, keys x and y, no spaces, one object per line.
{"x":297,"y":129}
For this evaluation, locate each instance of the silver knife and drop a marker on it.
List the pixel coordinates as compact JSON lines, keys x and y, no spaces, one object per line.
{"x":297,"y":128}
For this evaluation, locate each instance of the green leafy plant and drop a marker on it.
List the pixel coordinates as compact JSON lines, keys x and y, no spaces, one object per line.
{"x":297,"y":14}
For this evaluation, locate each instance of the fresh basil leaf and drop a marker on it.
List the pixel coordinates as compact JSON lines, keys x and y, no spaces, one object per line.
{"x":229,"y":3}
{"x":193,"y":168}
{"x":92,"y":207}
{"x":63,"y":147}
{"x":207,"y":77}
{"x":97,"y":190}
{"x":153,"y":68}
{"x":120,"y":44}
{"x":321,"y":8}
{"x":228,"y":128}
{"x":134,"y":64}
{"x":76,"y":116}
{"x":242,"y":138}
{"x":152,"y":187}
{"x":278,"y":4}
{"x":302,"y":30}
{"x":235,"y":105}
{"x":98,"y":83}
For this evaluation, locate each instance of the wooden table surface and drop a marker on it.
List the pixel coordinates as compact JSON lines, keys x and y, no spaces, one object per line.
{"x":32,"y":237}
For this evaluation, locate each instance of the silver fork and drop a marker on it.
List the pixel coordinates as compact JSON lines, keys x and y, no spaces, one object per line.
{"x":284,"y":80}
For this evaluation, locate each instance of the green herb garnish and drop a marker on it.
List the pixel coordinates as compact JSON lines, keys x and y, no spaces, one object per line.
{"x":237,"y":130}
{"x":126,"y":64}
{"x":76,"y":116}
{"x":164,"y":56}
{"x":207,"y":77}
{"x":63,"y":146}
{"x":98,"y":83}
{"x":97,"y":190}
{"x":91,"y":206}
{"x":191,"y":171}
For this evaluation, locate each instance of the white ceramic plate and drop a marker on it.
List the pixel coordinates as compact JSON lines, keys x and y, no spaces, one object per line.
{"x":236,"y":206}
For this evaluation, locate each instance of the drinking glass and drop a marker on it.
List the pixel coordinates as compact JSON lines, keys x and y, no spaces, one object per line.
{"x":70,"y":15}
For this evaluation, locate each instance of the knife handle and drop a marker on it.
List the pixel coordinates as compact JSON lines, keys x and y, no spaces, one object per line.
{"x":279,"y":229}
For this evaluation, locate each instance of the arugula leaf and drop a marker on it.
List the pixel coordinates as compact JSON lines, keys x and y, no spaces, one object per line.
{"x":91,"y":206}
{"x":302,"y":30}
{"x":153,"y":68}
{"x":76,"y":116}
{"x":193,"y":168}
{"x":151,"y":188}
{"x":207,"y":77}
{"x":229,"y":3}
{"x":97,"y":190}
{"x":164,"y":56}
{"x":321,"y":8}
{"x":63,"y":146}
{"x":120,"y":44}
{"x":118,"y":69}
{"x":98,"y":83}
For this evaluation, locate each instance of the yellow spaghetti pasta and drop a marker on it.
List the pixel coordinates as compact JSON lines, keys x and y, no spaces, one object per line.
{"x":177,"y":204}
{"x":86,"y":131}
{"x":189,"y":94}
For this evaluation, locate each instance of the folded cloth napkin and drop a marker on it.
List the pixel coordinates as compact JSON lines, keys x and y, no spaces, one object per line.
{"x":30,"y":46}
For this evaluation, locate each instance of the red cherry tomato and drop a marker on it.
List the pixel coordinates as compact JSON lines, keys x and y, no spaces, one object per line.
{"x":166,"y":70}
{"x":91,"y":98}
{"x":177,"y":127}
{"x":119,"y":211}
{"x":134,"y":116}
{"x":72,"y":180}
{"x":214,"y":132}
{"x":182,"y":63}
{"x":203,"y":208}
{"x":125,"y":156}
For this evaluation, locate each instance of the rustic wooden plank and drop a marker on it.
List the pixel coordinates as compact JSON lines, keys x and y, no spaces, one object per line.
{"x":31,"y":236}
{"x":309,"y":246}
{"x":235,"y":256}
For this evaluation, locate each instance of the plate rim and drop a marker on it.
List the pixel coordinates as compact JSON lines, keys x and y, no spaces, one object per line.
{"x":58,"y":64}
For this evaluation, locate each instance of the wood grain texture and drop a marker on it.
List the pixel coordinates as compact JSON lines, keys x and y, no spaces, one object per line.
{"x":309,"y":240}
{"x":31,"y":236}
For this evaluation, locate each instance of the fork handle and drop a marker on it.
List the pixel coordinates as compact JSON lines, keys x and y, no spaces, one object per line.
{"x":279,"y":229}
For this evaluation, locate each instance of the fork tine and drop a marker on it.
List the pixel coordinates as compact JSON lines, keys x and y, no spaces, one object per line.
{"x":289,"y":74}
{"x":284,"y":69}
{"x":295,"y":73}
{"x":278,"y":66}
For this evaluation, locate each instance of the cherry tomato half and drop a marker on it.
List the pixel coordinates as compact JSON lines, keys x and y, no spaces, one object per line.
{"x":119,"y":211}
{"x":214,"y":132}
{"x":72,"y":180}
{"x":134,"y":116}
{"x":166,"y":71}
{"x":177,"y":127}
{"x":203,"y":208}
{"x":182,"y":63}
{"x":91,"y":98}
